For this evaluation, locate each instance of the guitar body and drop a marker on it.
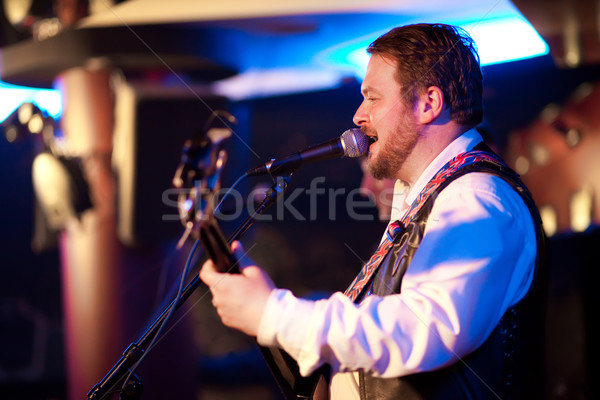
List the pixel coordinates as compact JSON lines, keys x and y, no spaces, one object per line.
{"x":287,"y":375}
{"x":282,"y":366}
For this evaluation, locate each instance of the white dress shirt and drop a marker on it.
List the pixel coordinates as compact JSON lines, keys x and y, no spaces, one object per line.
{"x":476,"y":259}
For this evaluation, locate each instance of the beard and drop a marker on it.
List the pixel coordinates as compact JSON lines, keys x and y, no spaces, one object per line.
{"x":394,"y":150}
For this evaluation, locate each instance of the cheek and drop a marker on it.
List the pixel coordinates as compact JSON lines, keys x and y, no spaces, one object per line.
{"x":386,"y":119}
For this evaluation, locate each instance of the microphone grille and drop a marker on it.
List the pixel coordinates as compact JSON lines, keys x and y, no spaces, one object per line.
{"x":355,"y":143}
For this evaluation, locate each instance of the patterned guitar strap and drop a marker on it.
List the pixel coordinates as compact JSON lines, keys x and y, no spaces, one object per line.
{"x":459,"y":162}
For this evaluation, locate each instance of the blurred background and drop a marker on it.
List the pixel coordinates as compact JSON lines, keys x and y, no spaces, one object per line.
{"x":97,"y":98}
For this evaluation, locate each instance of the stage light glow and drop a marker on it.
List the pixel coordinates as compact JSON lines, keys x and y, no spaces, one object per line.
{"x":10,"y":100}
{"x":11,"y":97}
{"x":49,"y":101}
{"x":506,"y":39}
{"x":498,"y":40}
{"x":276,"y":82}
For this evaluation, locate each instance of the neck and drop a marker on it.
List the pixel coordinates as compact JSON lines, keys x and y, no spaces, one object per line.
{"x":433,"y":140}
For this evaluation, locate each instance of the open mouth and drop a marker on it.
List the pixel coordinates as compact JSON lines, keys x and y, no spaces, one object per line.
{"x":372,"y":139}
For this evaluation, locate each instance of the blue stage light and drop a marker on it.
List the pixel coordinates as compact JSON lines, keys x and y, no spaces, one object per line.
{"x":498,"y":40}
{"x":506,"y":39}
{"x":11,"y":97}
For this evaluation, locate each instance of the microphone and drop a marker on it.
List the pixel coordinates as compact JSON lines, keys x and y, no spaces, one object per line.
{"x":352,"y":143}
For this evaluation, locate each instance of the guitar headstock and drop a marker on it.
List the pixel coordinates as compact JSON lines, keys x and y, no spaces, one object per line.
{"x":199,"y":173}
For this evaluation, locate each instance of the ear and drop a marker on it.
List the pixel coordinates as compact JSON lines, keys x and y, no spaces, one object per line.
{"x":430,"y":105}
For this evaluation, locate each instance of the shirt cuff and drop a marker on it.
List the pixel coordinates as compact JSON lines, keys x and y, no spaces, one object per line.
{"x":285,"y":323}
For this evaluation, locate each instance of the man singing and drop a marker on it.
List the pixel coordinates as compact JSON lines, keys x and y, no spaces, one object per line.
{"x":450,"y":305}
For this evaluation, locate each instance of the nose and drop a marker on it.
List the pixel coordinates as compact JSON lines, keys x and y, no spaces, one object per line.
{"x":360,"y":116}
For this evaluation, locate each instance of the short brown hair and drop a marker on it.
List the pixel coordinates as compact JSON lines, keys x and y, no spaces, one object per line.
{"x":437,"y":55}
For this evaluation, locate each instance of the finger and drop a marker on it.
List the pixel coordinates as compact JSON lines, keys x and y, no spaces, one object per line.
{"x":252,"y":271}
{"x":259,"y":276}
{"x":236,"y":246}
{"x":208,"y":274}
{"x":240,"y":255}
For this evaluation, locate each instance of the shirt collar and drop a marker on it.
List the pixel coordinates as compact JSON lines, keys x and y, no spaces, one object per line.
{"x":404,"y":195}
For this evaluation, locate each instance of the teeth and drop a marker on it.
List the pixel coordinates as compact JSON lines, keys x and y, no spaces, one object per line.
{"x":372,"y":139}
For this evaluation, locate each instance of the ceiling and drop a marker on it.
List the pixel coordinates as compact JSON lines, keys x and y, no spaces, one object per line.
{"x":289,"y":46}
{"x":135,"y":12}
{"x":296,"y":45}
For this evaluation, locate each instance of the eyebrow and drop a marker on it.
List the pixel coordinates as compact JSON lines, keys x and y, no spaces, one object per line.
{"x":369,"y":89}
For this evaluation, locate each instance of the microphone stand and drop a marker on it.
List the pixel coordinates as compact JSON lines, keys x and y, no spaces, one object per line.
{"x":135,"y":350}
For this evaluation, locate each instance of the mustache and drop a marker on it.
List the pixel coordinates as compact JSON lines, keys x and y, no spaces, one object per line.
{"x":368,"y":131}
